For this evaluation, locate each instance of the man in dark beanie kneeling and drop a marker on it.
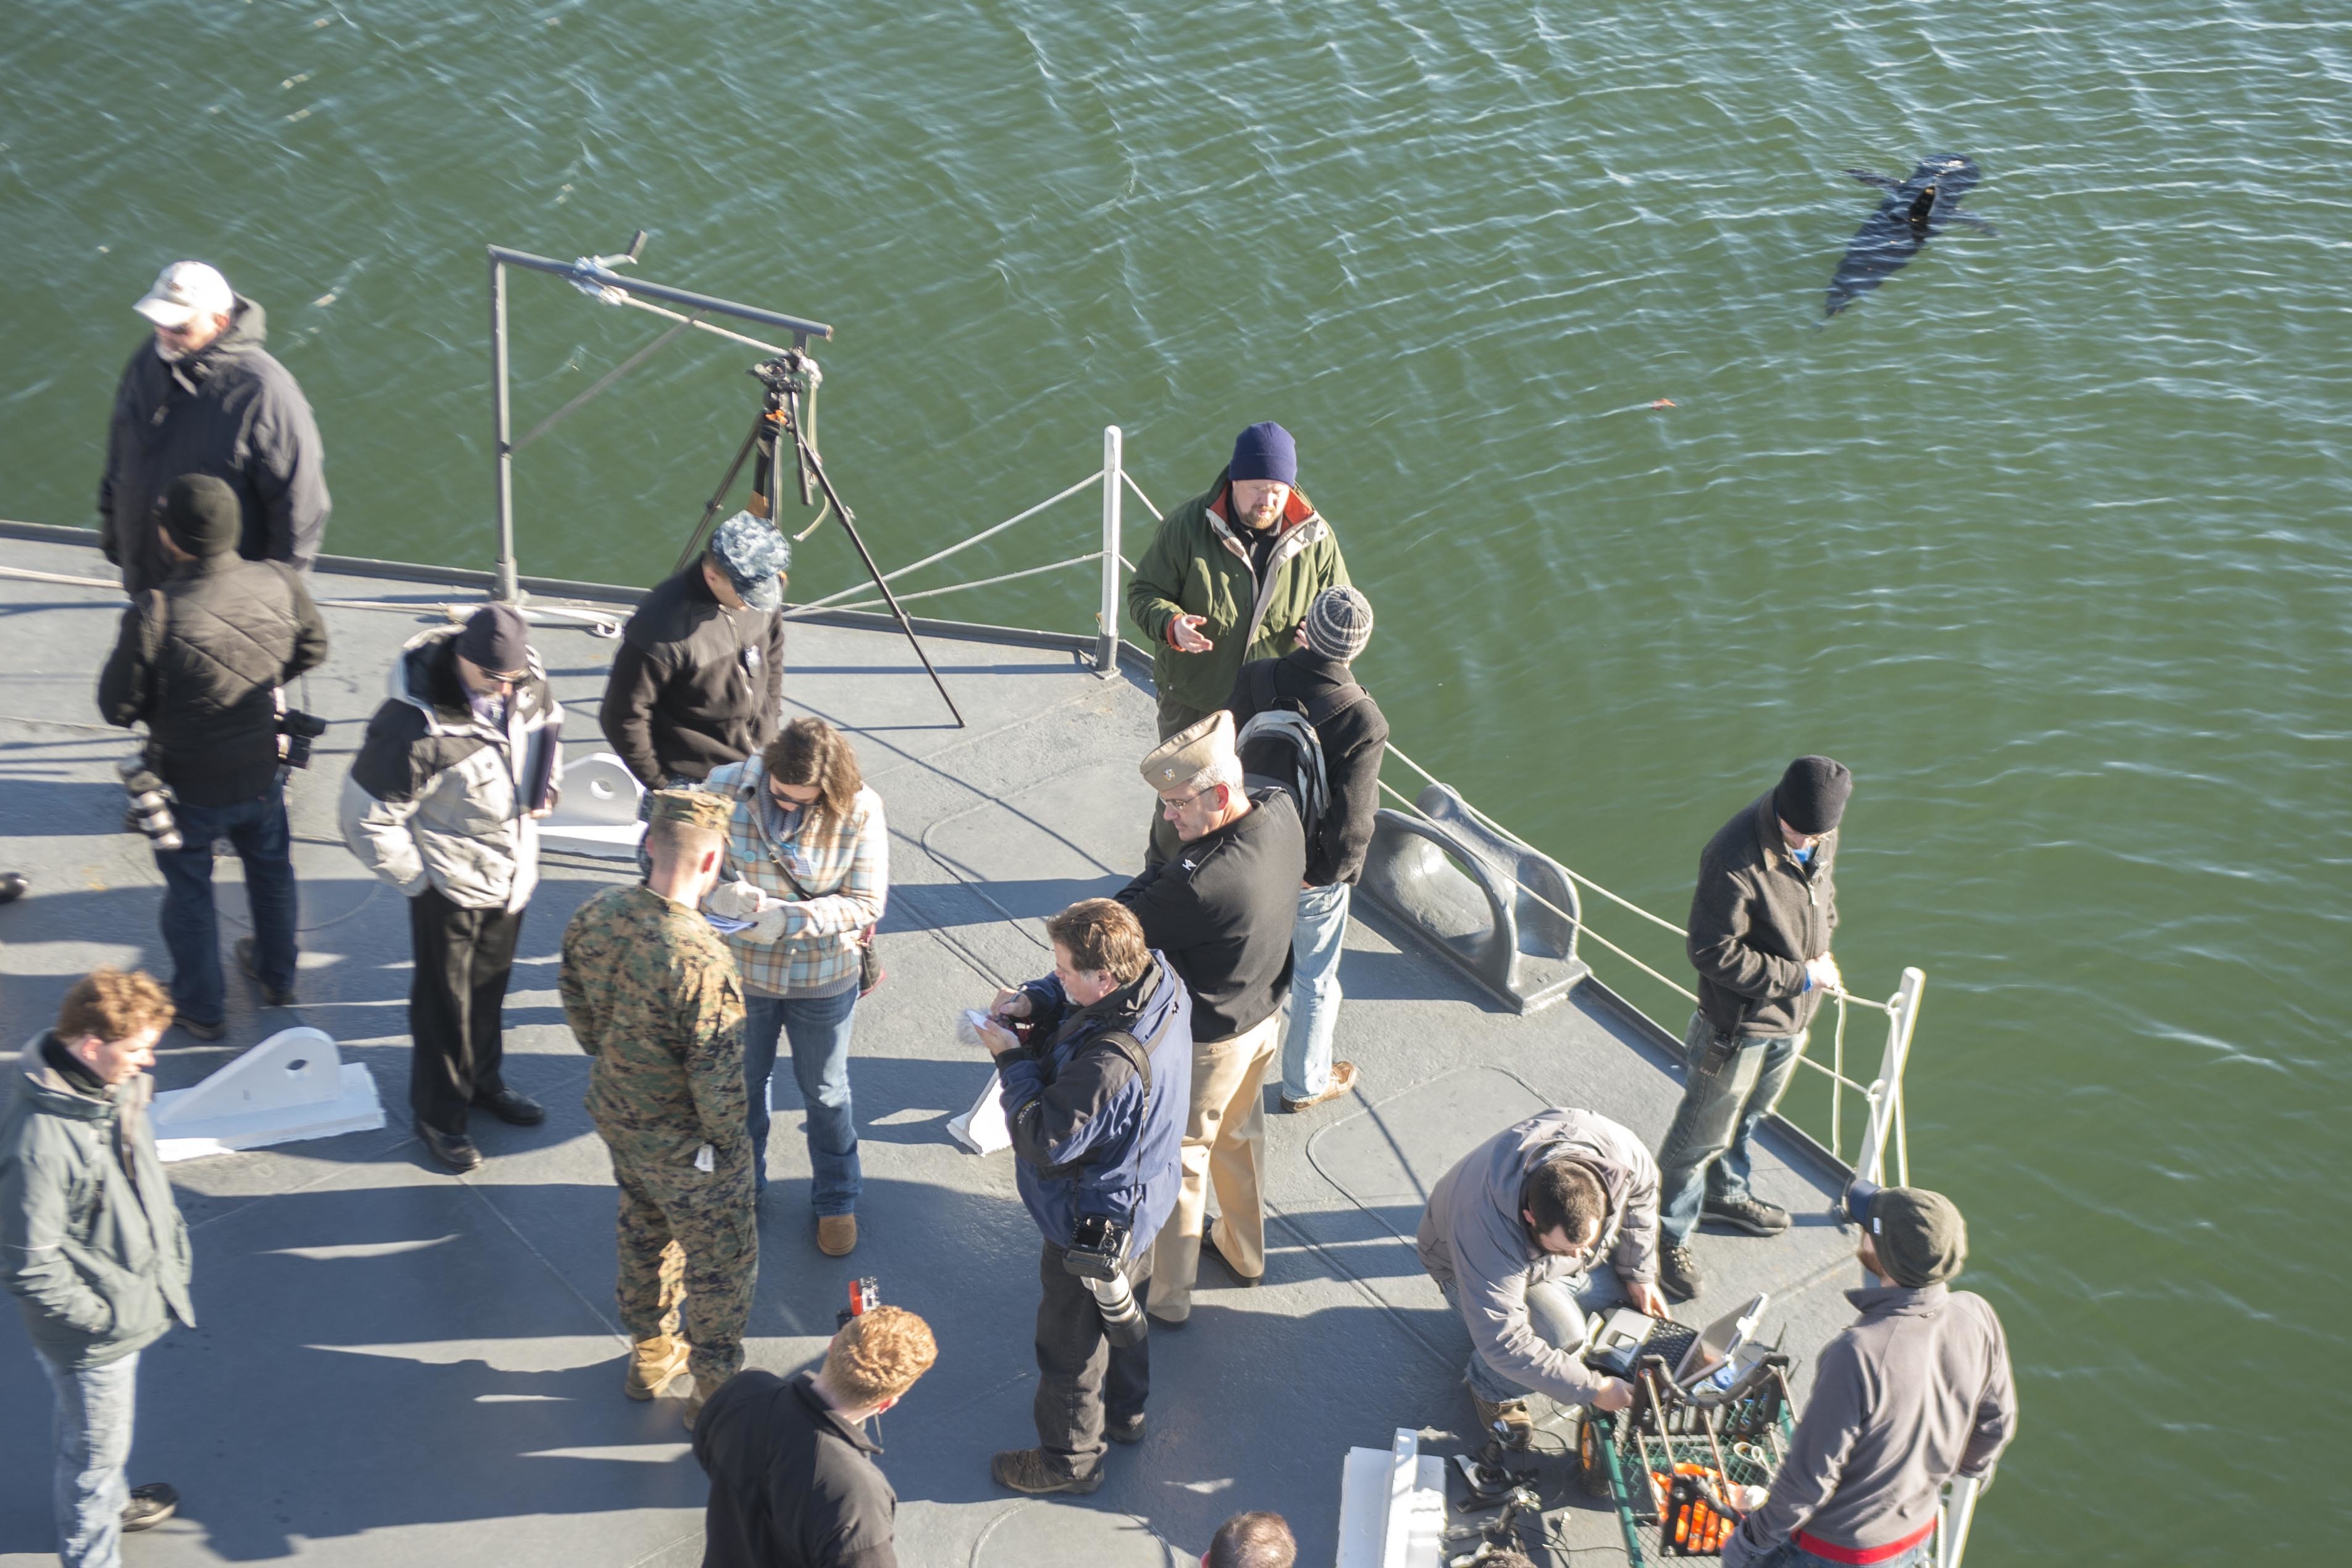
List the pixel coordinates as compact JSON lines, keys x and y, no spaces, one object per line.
{"x":1759,"y":938}
{"x":199,"y":661}
{"x":1915,"y":1394}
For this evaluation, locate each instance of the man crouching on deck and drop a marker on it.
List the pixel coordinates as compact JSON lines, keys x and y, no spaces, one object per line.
{"x":1514,"y":1235}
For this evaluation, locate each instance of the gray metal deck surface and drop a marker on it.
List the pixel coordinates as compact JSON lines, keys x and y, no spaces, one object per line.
{"x":395,"y":1365}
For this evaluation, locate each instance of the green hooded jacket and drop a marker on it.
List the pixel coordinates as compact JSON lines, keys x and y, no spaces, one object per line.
{"x":98,"y":1259}
{"x":1197,"y":565}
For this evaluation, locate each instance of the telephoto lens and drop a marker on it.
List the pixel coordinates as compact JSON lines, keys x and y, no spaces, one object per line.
{"x":1122,"y":1315}
{"x":150,"y":804}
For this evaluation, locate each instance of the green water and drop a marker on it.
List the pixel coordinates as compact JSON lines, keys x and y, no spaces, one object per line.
{"x":2046,"y":538}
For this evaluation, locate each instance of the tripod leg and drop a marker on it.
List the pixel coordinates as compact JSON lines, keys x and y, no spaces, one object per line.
{"x":811,"y":464}
{"x":718,"y":497}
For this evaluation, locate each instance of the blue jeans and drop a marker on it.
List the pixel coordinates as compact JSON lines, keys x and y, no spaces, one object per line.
{"x":1314,"y":947}
{"x":256,"y":830}
{"x":1729,"y":1086}
{"x":817,"y":1030}
{"x":1556,"y":1311}
{"x":91,"y":1429}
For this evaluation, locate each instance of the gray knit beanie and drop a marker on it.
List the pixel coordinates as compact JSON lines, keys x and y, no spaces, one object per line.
{"x":1339,"y":623}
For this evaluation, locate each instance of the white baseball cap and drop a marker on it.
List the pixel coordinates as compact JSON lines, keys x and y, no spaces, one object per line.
{"x":183,"y":291}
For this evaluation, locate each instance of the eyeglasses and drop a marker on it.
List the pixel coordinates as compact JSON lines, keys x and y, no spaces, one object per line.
{"x":1171,"y":806}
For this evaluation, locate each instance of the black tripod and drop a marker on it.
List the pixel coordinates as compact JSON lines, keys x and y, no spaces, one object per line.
{"x":788,"y":410}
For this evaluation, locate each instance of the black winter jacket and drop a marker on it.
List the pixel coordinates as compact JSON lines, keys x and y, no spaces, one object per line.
{"x":792,"y":1485}
{"x":230,"y":410}
{"x":1755,"y":919}
{"x":199,"y":659}
{"x":1222,"y":909}
{"x":695,"y":686}
{"x":1353,"y":740}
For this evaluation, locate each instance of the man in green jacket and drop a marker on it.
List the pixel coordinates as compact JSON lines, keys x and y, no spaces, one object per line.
{"x":92,"y":1245}
{"x":1228,"y":578}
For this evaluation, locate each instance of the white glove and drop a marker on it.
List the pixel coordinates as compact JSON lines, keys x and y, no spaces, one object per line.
{"x":733,"y":901}
{"x":1823,"y":973}
{"x":769,"y":925}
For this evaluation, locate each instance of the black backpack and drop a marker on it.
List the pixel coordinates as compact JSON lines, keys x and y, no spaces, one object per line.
{"x":1308,"y":780}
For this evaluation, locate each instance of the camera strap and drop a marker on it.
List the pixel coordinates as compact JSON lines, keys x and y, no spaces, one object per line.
{"x":1127,"y":1046}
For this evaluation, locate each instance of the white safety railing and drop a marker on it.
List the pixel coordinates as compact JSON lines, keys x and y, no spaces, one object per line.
{"x":1883,"y":1130}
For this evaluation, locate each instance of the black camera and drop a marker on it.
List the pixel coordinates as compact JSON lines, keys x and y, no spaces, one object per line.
{"x":1098,"y":1254}
{"x":297,"y":730}
{"x":149,"y":812}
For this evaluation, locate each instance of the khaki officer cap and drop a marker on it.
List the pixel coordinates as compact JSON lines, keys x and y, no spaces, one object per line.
{"x":1174,"y":761}
{"x":695,"y":808}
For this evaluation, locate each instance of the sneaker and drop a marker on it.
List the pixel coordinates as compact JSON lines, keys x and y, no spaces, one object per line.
{"x":1128,"y":1431}
{"x":189,"y":1026}
{"x":453,"y":1150}
{"x":836,"y":1234}
{"x":276,"y":996}
{"x":1343,"y":1078}
{"x":1748,"y":1213}
{"x":149,"y":1506}
{"x":1027,"y":1469}
{"x":1678,"y":1271}
{"x":1515,"y":1416}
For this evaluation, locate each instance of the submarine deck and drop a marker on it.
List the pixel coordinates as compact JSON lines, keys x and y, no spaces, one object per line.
{"x":396,"y":1365}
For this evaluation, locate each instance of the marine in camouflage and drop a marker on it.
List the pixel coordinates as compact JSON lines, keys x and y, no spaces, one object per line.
{"x":653,"y":996}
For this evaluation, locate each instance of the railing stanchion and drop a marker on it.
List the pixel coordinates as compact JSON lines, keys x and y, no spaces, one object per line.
{"x":506,"y":589}
{"x":1886,"y":1090}
{"x":1106,"y":635}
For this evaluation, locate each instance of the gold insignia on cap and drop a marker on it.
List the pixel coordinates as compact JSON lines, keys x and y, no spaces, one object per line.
{"x":695,"y":808}
{"x":1172,"y":763}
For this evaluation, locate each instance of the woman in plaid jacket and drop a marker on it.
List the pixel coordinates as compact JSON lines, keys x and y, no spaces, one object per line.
{"x":809,"y":855}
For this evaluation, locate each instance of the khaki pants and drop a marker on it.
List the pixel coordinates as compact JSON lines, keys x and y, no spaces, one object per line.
{"x":1225,"y":1144}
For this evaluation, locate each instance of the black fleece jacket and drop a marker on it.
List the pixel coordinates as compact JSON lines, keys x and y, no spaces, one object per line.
{"x":1353,"y":740}
{"x":1222,"y":909}
{"x":1755,"y":919}
{"x":199,"y":660}
{"x":695,"y":686}
{"x":792,"y":1485}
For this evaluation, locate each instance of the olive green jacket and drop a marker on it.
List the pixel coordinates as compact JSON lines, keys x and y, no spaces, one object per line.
{"x":1197,"y":565}
{"x":95,"y":1254}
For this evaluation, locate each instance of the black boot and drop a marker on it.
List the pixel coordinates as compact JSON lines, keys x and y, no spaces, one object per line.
{"x":453,"y":1150}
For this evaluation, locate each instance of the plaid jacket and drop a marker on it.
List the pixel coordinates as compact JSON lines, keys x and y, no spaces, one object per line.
{"x":843,"y":864}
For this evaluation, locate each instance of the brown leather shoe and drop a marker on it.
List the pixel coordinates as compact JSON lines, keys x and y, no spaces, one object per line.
{"x":1028,"y":1469}
{"x":1343,"y":1078}
{"x":704,"y":1387}
{"x":836,"y":1234}
{"x":653,"y":1364}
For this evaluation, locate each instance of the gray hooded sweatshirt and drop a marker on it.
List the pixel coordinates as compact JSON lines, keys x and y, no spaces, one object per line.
{"x":92,"y":1245}
{"x":1472,"y":1238}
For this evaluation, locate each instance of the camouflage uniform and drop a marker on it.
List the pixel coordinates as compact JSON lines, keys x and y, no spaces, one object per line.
{"x":652,"y":994}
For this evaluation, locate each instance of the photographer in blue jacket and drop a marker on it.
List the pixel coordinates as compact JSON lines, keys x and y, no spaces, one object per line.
{"x":1096,"y":1066}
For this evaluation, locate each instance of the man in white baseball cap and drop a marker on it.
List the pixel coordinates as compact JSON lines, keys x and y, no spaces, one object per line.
{"x":202,"y":396}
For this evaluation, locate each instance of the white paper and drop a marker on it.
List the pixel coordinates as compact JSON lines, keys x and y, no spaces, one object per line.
{"x":981,"y":1129}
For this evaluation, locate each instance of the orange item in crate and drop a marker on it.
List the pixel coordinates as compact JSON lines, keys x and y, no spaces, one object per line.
{"x":1699,"y":1527}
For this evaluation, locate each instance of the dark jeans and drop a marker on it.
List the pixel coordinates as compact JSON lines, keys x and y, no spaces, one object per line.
{"x":1729,"y":1086}
{"x":817,"y":1029}
{"x":1082,"y":1377}
{"x":456,"y":1005}
{"x":256,"y":830}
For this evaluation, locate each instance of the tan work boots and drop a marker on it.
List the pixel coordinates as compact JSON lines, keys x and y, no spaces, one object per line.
{"x":652,"y":1363}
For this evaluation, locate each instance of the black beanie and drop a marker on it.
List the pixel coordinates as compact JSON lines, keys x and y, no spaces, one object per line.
{"x":497,"y":638}
{"x":201,"y":515}
{"x":1810,"y":796}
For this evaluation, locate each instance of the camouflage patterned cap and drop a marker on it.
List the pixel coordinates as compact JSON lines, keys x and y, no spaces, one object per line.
{"x":753,"y":555}
{"x":1172,"y":763}
{"x":695,"y":808}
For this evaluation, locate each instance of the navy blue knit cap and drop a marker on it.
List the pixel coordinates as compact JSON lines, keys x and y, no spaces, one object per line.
{"x":1264,"y":451}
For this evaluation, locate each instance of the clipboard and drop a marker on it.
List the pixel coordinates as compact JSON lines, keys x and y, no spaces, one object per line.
{"x":542,"y":764}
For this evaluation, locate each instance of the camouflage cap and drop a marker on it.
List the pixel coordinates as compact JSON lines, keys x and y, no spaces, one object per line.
{"x":753,"y":555}
{"x":1172,"y":763}
{"x":695,"y":808}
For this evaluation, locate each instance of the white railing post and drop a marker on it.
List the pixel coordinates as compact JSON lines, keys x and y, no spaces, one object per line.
{"x":1886,"y":1092}
{"x":1958,"y":1512}
{"x":1107,"y":618}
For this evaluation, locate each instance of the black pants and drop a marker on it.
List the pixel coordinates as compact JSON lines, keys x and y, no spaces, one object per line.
{"x":1081,"y":1376}
{"x":456,"y":1006}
